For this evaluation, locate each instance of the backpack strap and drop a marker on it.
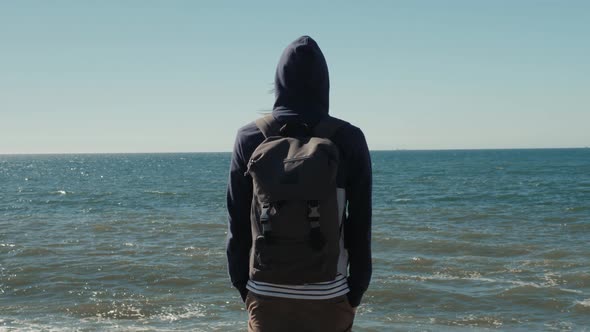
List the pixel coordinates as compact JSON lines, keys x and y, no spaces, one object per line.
{"x":328,"y":126}
{"x":268,"y":125}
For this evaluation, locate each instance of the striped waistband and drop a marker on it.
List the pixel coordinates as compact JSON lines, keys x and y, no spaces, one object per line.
{"x":317,"y":291}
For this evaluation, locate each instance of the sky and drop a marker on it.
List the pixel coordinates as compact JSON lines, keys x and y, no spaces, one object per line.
{"x":183,"y":76}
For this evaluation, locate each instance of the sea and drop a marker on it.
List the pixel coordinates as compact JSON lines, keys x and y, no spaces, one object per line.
{"x":463,"y":240}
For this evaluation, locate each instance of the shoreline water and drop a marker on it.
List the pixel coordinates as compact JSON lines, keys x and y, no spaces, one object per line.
{"x":462,"y":240}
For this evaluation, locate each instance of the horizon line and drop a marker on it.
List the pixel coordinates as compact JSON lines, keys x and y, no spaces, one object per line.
{"x":213,"y":152}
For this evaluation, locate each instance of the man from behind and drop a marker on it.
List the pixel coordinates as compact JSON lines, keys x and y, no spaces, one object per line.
{"x":299,"y":204}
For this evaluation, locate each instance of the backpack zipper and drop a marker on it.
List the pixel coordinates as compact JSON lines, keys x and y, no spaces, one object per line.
{"x":250,"y":163}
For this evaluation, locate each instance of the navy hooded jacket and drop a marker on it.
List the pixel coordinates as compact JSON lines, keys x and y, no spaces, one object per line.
{"x":302,"y":94}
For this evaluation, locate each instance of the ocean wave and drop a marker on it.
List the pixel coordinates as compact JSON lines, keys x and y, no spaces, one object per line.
{"x":474,"y":321}
{"x":112,"y":310}
{"x":538,"y":295}
{"x":201,"y":251}
{"x":164,"y":193}
{"x":28,"y":326}
{"x":582,"y":306}
{"x":555,"y":254}
{"x":136,"y":311}
{"x":505,"y":287}
{"x":437,"y":247}
{"x":175,"y":281}
{"x":61,"y":192}
{"x":577,"y":208}
{"x":35,"y":252}
{"x":423,"y":261}
{"x":187,"y":312}
{"x":577,"y":279}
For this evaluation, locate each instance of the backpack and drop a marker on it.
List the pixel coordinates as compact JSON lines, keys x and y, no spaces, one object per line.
{"x":294,"y":215}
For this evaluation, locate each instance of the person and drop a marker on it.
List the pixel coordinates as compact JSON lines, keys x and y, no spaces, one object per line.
{"x":302,"y":94}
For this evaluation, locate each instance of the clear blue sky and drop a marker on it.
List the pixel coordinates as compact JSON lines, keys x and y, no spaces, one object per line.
{"x":155,"y":76}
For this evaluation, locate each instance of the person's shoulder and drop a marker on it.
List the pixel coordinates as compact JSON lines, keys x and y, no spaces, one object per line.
{"x":248,"y":131}
{"x":349,"y":133}
{"x":248,"y":137}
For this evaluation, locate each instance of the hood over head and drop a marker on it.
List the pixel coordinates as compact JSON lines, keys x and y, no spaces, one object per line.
{"x":302,"y":84}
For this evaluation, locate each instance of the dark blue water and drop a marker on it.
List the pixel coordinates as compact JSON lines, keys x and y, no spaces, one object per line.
{"x":463,"y":240}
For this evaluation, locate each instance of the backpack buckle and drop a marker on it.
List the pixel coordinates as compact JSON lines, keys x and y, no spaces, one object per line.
{"x":313,"y":213}
{"x":318,"y":241}
{"x":265,"y":213}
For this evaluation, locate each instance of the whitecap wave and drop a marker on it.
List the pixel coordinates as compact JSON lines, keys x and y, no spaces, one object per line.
{"x":187,"y":312}
{"x":158,"y":192}
{"x":477,"y":277}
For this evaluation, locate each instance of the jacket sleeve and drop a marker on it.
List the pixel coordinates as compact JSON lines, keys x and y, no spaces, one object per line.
{"x":358,"y":223}
{"x":239,"y":234}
